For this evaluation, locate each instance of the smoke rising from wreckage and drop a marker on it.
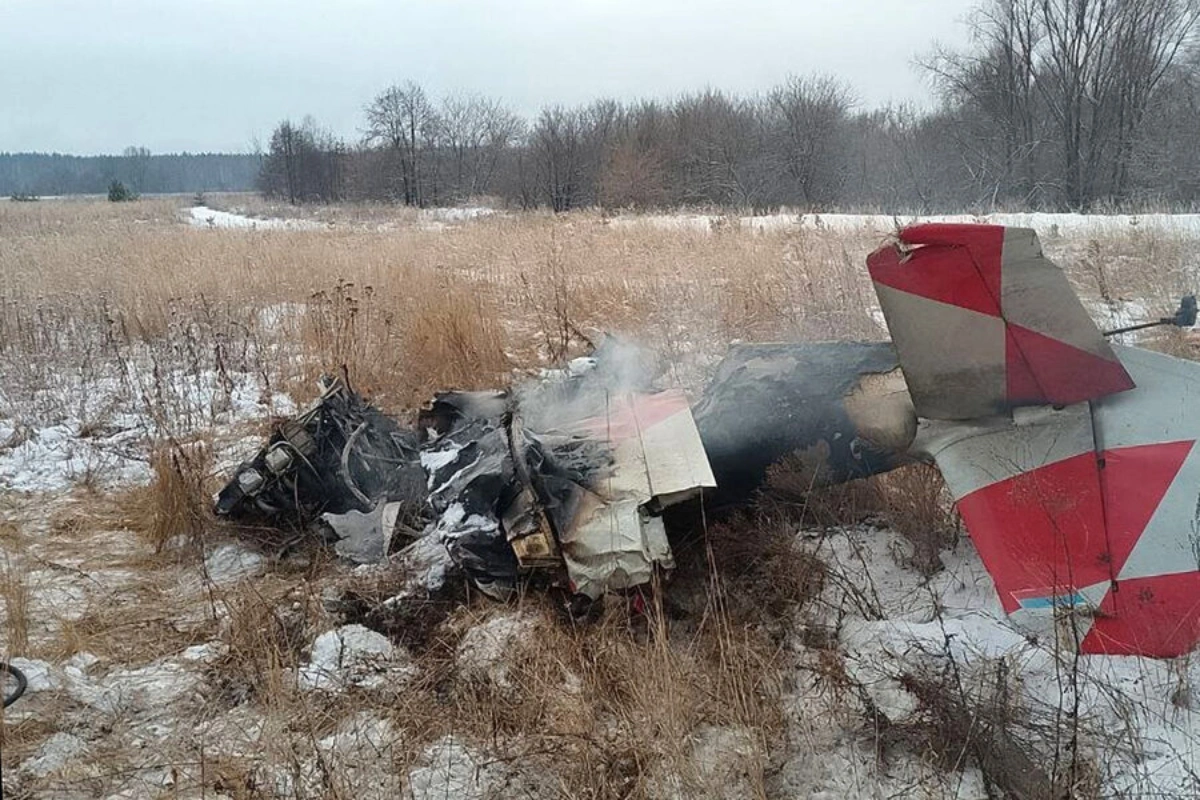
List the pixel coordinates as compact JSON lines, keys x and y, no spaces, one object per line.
{"x":1073,"y":463}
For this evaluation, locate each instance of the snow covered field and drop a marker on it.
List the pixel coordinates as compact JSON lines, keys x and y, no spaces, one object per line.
{"x":428,"y":219}
{"x":104,"y":442}
{"x":1048,"y":225}
{"x":150,"y":674}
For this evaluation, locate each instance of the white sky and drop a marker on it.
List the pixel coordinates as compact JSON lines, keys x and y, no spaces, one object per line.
{"x":86,"y":76}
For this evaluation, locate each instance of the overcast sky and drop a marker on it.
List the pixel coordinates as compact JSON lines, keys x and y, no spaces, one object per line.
{"x":87,"y":76}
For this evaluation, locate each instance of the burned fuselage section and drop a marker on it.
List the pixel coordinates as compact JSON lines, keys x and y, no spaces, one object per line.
{"x":566,"y":476}
{"x":840,"y":409}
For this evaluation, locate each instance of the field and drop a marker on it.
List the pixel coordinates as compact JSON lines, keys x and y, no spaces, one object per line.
{"x":844,"y":645}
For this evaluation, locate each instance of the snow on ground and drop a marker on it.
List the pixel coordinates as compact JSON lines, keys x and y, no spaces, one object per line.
{"x":205,"y":217}
{"x":1141,"y":715}
{"x":427,"y":219}
{"x":457,"y":213}
{"x":57,"y":456}
{"x":355,"y":656}
{"x":436,"y":219}
{"x":97,"y":430}
{"x":1048,"y":225}
{"x":230,"y":563}
{"x":487,"y":649}
{"x":1121,"y":314}
{"x":450,"y":768}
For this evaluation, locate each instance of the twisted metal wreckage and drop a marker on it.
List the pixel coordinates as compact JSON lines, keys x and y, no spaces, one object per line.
{"x":1073,"y":463}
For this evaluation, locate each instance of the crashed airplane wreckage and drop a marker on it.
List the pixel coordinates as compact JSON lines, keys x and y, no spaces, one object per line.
{"x":1073,"y":463}
{"x":570,"y":473}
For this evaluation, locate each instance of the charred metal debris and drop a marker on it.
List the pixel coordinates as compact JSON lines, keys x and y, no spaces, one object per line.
{"x":566,"y":476}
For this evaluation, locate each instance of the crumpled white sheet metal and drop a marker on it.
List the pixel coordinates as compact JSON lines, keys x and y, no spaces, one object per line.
{"x":617,"y":539}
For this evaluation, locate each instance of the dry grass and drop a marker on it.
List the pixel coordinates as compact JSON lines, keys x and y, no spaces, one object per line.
{"x":1134,"y":264}
{"x":364,"y":213}
{"x":15,"y":592}
{"x":92,"y":291}
{"x":267,"y":629}
{"x":407,"y":309}
{"x":1008,"y":744}
{"x":175,"y":504}
{"x":607,"y":710}
{"x":618,"y":707}
{"x":912,"y":500}
{"x":915,"y":502}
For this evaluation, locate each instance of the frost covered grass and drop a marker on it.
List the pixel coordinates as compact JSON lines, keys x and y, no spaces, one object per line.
{"x":846,"y":644}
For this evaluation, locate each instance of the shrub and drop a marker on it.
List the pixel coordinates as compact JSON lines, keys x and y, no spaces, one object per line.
{"x":119,"y":193}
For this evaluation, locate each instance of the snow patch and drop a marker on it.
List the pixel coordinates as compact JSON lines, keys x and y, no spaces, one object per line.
{"x":41,"y":675}
{"x":56,"y":457}
{"x":354,"y":655}
{"x":232,"y":563}
{"x":98,"y":429}
{"x":892,"y":622}
{"x":83,"y":662}
{"x":457,"y":213}
{"x":205,"y":653}
{"x":485,"y":652}
{"x":362,"y":751}
{"x":151,"y":690}
{"x":1048,"y":225}
{"x":724,"y":762}
{"x":235,"y":734}
{"x":450,"y":768}
{"x":54,"y":754}
{"x":205,"y":217}
{"x":363,"y":735}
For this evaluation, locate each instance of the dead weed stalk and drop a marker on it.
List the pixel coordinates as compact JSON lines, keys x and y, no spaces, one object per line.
{"x":175,"y":505}
{"x":15,"y":591}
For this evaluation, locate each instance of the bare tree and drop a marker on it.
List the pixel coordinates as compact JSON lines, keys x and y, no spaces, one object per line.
{"x":811,"y":118}
{"x":475,"y":133}
{"x":304,"y":164}
{"x":1077,"y":74}
{"x":402,"y":119}
{"x":1102,"y":63}
{"x":137,"y":162}
{"x":721,"y":150}
{"x":997,"y":81}
{"x":635,"y":170}
{"x":560,"y":155}
{"x":1165,"y":166}
{"x":1153,"y":35}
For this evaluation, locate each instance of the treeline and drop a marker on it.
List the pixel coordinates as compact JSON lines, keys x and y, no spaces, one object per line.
{"x":1056,"y":104}
{"x":36,"y":174}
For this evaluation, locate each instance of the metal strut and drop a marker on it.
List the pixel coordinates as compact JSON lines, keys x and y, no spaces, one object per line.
{"x":1185,"y":317}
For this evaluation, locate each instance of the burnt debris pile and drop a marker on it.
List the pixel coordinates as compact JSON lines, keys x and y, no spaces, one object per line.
{"x":565,"y":476}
